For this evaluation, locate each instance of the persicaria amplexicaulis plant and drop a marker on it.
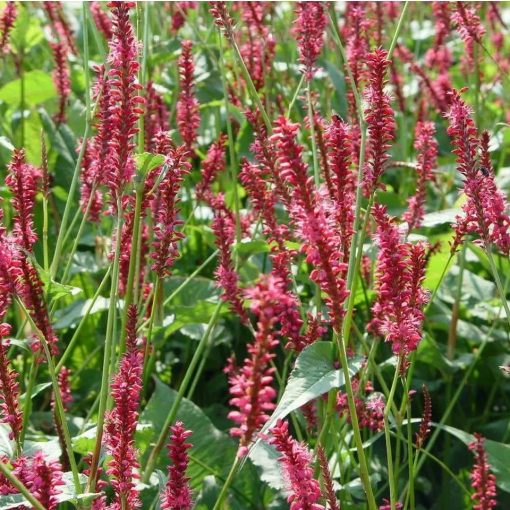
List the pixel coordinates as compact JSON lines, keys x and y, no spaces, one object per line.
{"x":237,"y":239}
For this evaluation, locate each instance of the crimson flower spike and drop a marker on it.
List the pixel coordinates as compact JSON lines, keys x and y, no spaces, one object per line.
{"x":177,"y":494}
{"x":213,"y":164}
{"x":251,"y":385}
{"x":313,"y":223}
{"x":156,"y":117}
{"x":180,"y":10}
{"x":126,"y":103}
{"x":296,"y":461}
{"x":120,"y":427}
{"x":426,"y":147}
{"x":400,"y":270}
{"x":55,"y":13}
{"x":166,"y":235}
{"x":7,"y":19}
{"x":187,"y":109}
{"x":61,"y":79}
{"x":484,"y":212}
{"x":43,"y":478}
{"x":22,"y":181}
{"x":380,"y":120}
{"x":101,"y":19}
{"x":482,"y":480}
{"x":9,"y":389}
{"x":426,"y":418}
{"x":309,"y":28}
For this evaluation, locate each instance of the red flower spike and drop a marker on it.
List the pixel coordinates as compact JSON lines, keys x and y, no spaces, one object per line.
{"x":426,"y":146}
{"x":7,"y":19}
{"x":329,"y":490}
{"x":309,"y":28}
{"x":120,"y":427}
{"x":61,"y":78}
{"x":166,"y":235}
{"x":59,"y":24}
{"x":482,"y":480}
{"x":177,"y":494}
{"x":41,"y":477}
{"x":484,"y":212}
{"x":213,"y":164}
{"x":101,"y":19}
{"x":380,"y":120}
{"x":296,"y":463}
{"x":156,"y":117}
{"x":9,"y":389}
{"x":180,"y":10}
{"x":187,"y":109}
{"x":426,"y":418}
{"x":23,"y":181}
{"x":400,"y":270}
{"x":314,"y":223}
{"x":126,"y":103}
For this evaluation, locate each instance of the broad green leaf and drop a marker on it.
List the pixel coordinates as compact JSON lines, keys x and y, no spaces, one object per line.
{"x":213,"y":451}
{"x":498,"y":453}
{"x":314,"y":375}
{"x":27,"y":31}
{"x":446,"y":216}
{"x":249,"y":248}
{"x":71,"y":315}
{"x":39,"y":87}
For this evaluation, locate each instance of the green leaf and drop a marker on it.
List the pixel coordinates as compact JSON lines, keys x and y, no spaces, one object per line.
{"x":213,"y":451}
{"x":39,"y":87}
{"x":70,"y":315}
{"x":313,"y":375}
{"x":498,"y":453}
{"x":146,"y":161}
{"x":446,"y":216}
{"x":27,"y":31}
{"x":248,"y":248}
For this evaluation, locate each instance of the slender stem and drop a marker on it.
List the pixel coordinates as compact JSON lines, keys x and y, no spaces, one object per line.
{"x":20,"y":486}
{"x":143,"y":10}
{"x":128,"y":297}
{"x":76,"y":334}
{"x":148,"y":365}
{"x":389,"y":454}
{"x":397,"y":31}
{"x":410,"y":453}
{"x":57,"y":396}
{"x":45,"y":232}
{"x":74,"y":182}
{"x":226,"y":485}
{"x":296,"y":95}
{"x":151,"y":462}
{"x":108,"y":354}
{"x":501,"y":291}
{"x":231,"y":148}
{"x":27,"y":408}
{"x":184,"y":284}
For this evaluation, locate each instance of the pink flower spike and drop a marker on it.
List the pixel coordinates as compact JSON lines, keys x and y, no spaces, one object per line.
{"x":101,"y":19}
{"x":309,"y":29}
{"x":296,"y":462}
{"x":177,"y":494}
{"x":380,"y":120}
{"x":120,"y":427}
{"x":9,"y":389}
{"x":482,"y":480}
{"x":187,"y":109}
{"x":7,"y":19}
{"x":61,"y":78}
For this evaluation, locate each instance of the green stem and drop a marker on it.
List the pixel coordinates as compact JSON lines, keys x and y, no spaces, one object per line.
{"x":151,"y":462}
{"x":135,"y":242}
{"x":57,"y":396}
{"x":27,"y":408}
{"x":497,"y":279}
{"x":108,"y":354}
{"x":149,"y":361}
{"x":76,"y":335}
{"x":296,"y":95}
{"x":387,"y":436}
{"x":20,"y":486}
{"x":74,"y":182}
{"x":410,"y":454}
{"x":397,"y":31}
{"x":226,"y":485}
